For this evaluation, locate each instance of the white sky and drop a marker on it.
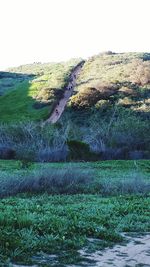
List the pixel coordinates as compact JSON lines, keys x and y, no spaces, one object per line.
{"x":56,"y":30}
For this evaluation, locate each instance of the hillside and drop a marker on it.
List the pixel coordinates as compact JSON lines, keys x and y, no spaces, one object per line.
{"x":105,"y":79}
{"x":74,"y":162}
{"x":108,"y":112}
{"x":110,"y":108}
{"x":120,"y":78}
{"x":30,"y":92}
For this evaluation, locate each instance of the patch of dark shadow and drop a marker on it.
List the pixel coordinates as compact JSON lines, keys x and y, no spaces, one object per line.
{"x":145,"y":56}
{"x":39,"y":105}
{"x":86,"y":82}
{"x":141,"y":265}
{"x":114,"y":63}
{"x":127,"y":84}
{"x":7,"y":152}
{"x":5,"y":74}
{"x":46,"y":96}
{"x":61,"y":259}
{"x":9,"y":80}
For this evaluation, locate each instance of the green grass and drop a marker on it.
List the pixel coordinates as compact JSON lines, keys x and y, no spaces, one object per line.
{"x":35,"y":226}
{"x":113,"y":169}
{"x":17,"y":105}
{"x":45,"y":89}
{"x":58,"y":224}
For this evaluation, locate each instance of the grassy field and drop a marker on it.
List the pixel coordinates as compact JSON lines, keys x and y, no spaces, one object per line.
{"x":103,"y":169}
{"x":35,"y":226}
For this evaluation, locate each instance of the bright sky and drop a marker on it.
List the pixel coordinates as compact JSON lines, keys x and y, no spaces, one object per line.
{"x":56,"y":30}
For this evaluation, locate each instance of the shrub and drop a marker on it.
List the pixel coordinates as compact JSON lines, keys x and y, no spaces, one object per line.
{"x":33,"y":142}
{"x":65,"y":180}
{"x":140,"y":72}
{"x":51,"y":154}
{"x":134,"y":184}
{"x":114,"y":154}
{"x":7,"y":153}
{"x":79,"y":150}
{"x":90,"y":95}
{"x":76,"y":147}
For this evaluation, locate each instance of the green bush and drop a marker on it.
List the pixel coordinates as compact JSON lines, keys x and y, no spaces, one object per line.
{"x":79,"y":150}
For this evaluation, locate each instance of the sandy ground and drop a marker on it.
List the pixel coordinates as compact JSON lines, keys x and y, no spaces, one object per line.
{"x":68,"y":92}
{"x":135,"y":253}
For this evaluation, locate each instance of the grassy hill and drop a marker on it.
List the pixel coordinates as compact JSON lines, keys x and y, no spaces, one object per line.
{"x":108,"y":114}
{"x":29,"y":92}
{"x":111,"y":103}
{"x":120,"y":78}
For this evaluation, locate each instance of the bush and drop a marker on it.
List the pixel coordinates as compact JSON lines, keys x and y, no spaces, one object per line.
{"x":79,"y":150}
{"x":115,"y":154}
{"x":33,"y":142}
{"x":7,"y":153}
{"x":134,"y":184}
{"x":90,"y":95}
{"x":65,"y":180}
{"x":52,"y":154}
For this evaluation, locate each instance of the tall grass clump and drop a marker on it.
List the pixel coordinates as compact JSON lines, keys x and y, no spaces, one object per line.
{"x":132,"y":184}
{"x":65,"y":180}
{"x":70,"y":179}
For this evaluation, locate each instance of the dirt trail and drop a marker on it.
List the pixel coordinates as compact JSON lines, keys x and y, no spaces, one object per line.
{"x":57,"y":112}
{"x":136,"y":253}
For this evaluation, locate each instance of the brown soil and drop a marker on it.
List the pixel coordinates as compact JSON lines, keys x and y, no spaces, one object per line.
{"x":57,"y":112}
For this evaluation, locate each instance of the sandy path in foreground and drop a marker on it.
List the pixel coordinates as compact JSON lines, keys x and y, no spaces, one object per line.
{"x":136,"y":253}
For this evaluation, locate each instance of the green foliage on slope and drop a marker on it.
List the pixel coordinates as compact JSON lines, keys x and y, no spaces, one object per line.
{"x":33,"y":97}
{"x":123,"y":79}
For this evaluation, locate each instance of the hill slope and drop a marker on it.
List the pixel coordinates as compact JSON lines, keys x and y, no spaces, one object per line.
{"x":33,"y":96}
{"x":120,"y":78}
{"x":108,"y":113}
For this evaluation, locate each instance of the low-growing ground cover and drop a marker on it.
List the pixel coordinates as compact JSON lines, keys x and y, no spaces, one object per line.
{"x":55,"y":224}
{"x":58,"y":220}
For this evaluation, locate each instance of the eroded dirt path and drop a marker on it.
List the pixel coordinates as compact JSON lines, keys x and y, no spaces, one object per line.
{"x":136,"y":253}
{"x":57,"y":112}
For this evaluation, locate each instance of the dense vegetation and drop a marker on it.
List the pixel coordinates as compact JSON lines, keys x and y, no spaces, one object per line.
{"x":105,"y":178}
{"x":110,"y":78}
{"x":111,"y":104}
{"x":49,"y":223}
{"x":32,"y":226}
{"x":57,"y":194}
{"x":108,"y":113}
